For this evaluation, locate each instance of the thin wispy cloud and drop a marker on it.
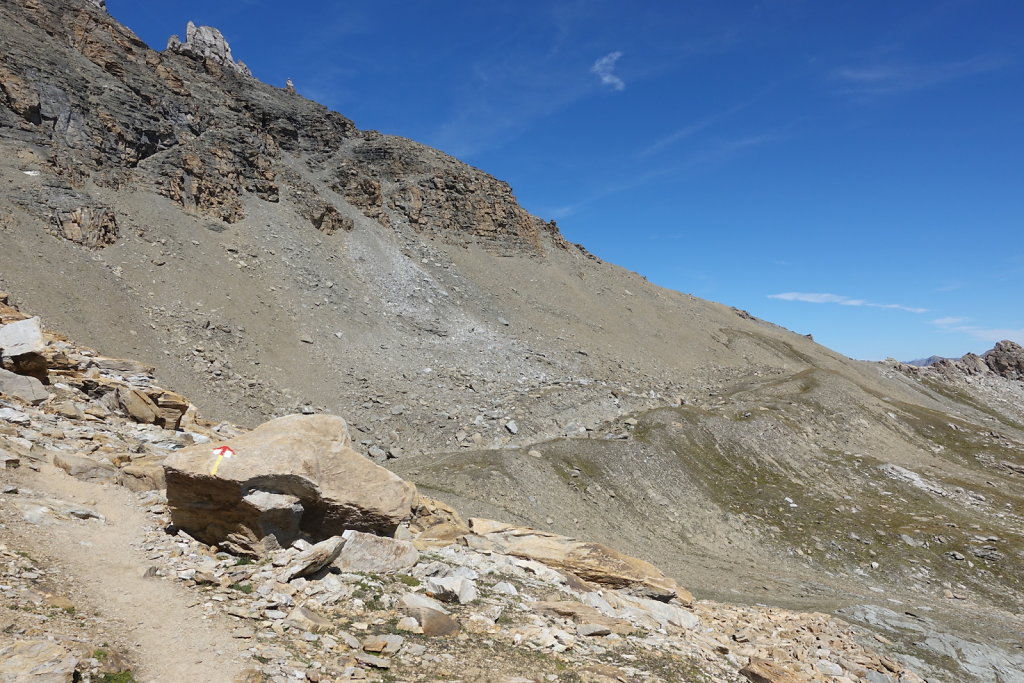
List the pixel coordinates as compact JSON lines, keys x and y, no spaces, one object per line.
{"x":825,"y":298}
{"x":605,"y":70}
{"x":989,"y":335}
{"x":893,"y":78}
{"x":947,"y":322}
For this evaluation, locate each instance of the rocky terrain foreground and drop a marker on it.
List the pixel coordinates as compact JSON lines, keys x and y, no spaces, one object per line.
{"x":139,"y":541}
{"x":265,"y":257}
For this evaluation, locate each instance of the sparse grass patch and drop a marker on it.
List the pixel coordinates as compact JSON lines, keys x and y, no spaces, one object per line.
{"x":120,"y":677}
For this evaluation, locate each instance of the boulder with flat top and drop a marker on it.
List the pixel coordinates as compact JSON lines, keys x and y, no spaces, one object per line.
{"x":306,"y":461}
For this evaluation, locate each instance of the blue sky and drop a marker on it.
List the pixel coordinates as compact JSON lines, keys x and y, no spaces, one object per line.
{"x":852,"y":170}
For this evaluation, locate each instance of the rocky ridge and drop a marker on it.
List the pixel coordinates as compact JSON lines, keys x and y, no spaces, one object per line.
{"x":1005,"y":359}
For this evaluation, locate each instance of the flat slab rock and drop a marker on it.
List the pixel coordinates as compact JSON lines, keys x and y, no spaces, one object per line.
{"x":590,"y":561}
{"x":306,"y":457}
{"x":37,"y":660}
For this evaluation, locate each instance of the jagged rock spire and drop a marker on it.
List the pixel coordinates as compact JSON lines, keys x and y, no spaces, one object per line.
{"x":206,"y":42}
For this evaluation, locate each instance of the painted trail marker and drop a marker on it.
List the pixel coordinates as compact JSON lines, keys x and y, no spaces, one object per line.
{"x":221,"y":452}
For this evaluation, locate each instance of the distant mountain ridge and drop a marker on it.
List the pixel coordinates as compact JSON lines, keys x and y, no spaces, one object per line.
{"x":924,"y":362}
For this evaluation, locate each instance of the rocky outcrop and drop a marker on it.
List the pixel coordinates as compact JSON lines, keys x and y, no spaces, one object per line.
{"x":296,"y":474}
{"x":1006,"y":359}
{"x":206,"y":42}
{"x":589,"y":561}
{"x":90,"y":227}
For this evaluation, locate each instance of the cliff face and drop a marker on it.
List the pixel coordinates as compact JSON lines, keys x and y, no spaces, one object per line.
{"x":192,"y":124}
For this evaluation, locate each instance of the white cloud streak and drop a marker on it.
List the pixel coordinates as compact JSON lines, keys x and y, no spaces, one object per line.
{"x":605,"y":70}
{"x":988,"y":335}
{"x":824,"y":298}
{"x":948,"y":322}
{"x":883,"y":79}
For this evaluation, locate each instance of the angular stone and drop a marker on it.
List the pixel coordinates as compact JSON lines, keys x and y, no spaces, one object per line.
{"x":375,"y":554}
{"x":8,"y":460}
{"x":664,"y":613}
{"x":409,"y":624}
{"x":277,"y":516}
{"x":312,"y":560}
{"x":432,"y":616}
{"x":37,"y":660}
{"x":435,"y":523}
{"x":372,"y":660}
{"x":21,"y":337}
{"x":309,"y":457}
{"x":142,"y":476}
{"x":172,"y":407}
{"x":306,"y":619}
{"x":137,"y":405}
{"x":131,"y":367}
{"x":28,"y":389}
{"x":588,"y":629}
{"x":584,"y":614}
{"x":590,"y":561}
{"x":451,"y":589}
{"x":766,"y":671}
{"x":387,"y":644}
{"x":86,"y":469}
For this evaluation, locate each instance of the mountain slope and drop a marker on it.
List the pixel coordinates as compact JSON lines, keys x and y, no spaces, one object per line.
{"x":267,"y":256}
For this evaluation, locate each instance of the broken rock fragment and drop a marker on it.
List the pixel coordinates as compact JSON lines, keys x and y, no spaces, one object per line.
{"x":28,"y":389}
{"x":313,"y":560}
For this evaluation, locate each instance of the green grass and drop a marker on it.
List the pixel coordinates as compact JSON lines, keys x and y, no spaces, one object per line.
{"x":119,"y":677}
{"x":242,"y":587}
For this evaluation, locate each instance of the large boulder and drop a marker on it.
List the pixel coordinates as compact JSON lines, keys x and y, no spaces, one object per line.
{"x":590,"y":561}
{"x":307,"y":462}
